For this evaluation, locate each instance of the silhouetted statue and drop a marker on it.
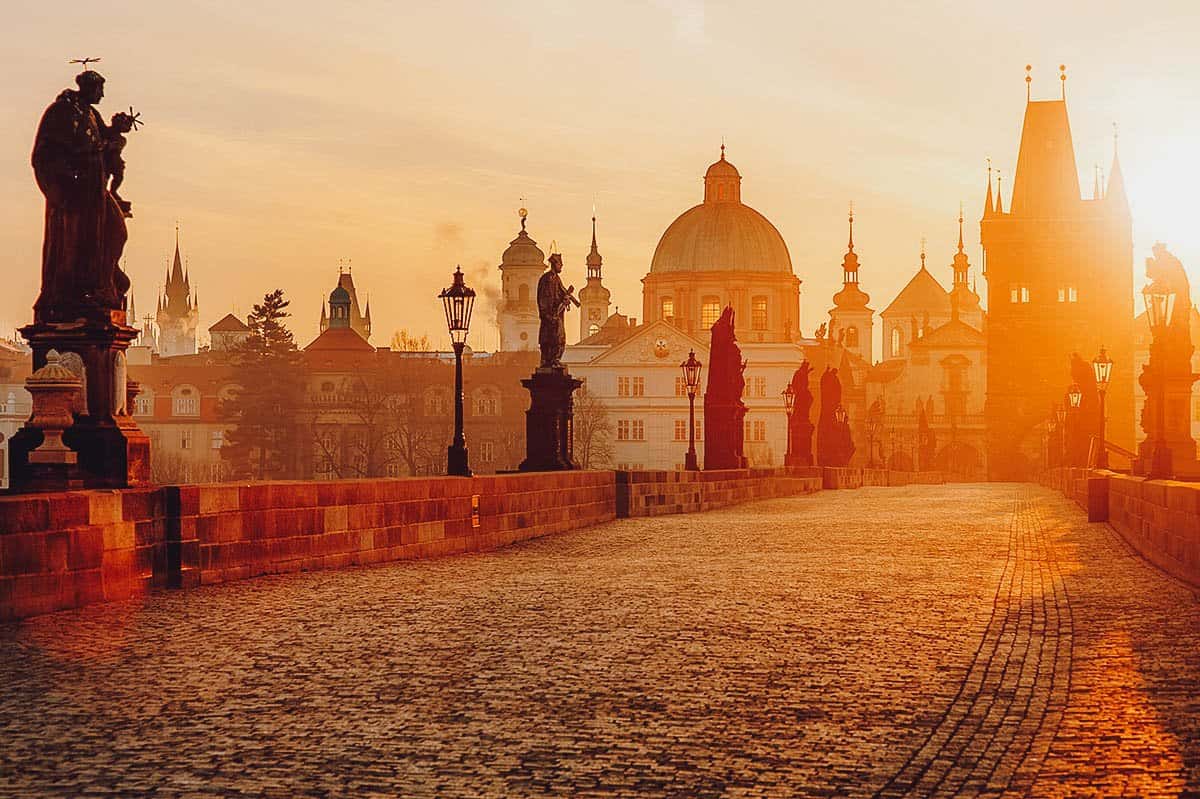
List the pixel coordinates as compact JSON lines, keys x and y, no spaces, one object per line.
{"x":800,"y":426}
{"x":724,"y":410}
{"x":74,"y":155}
{"x":1082,"y":422}
{"x":926,"y":439}
{"x":835,"y":444}
{"x":1172,"y":354}
{"x":553,"y":301}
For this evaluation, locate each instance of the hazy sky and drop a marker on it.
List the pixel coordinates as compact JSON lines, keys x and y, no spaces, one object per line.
{"x":402,"y":135}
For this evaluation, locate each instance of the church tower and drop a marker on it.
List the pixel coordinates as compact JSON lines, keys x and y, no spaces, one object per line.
{"x":520,"y":268}
{"x":178,"y":313}
{"x":594,"y":298}
{"x":359,"y":322}
{"x":850,"y":317}
{"x":1060,"y":281}
{"x":963,"y":298}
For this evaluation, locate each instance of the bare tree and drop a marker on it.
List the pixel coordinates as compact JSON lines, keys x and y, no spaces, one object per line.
{"x":593,"y":431}
{"x":403,"y":341}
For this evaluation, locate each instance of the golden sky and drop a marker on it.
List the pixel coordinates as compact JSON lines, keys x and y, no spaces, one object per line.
{"x":402,"y":135}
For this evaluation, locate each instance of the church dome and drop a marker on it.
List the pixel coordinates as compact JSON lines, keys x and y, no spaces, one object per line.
{"x":523,"y":251}
{"x":339,"y":295}
{"x":721,"y":234}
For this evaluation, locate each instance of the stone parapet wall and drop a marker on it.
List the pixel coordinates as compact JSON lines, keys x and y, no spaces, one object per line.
{"x":1158,"y":518}
{"x":890,"y":477}
{"x":1161,"y":520}
{"x":71,"y":549}
{"x":654,"y":493}
{"x":266,"y":528}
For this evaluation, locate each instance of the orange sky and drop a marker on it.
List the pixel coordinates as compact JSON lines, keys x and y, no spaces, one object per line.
{"x":285,"y":136}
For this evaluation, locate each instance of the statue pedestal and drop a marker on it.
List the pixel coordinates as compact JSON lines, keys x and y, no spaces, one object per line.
{"x":112,"y":451}
{"x":801,"y":454}
{"x":724,"y":435}
{"x":548,"y":422}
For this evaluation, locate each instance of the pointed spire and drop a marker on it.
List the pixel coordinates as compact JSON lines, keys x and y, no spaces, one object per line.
{"x":1028,"y":81}
{"x":850,"y":243}
{"x":1116,"y":182}
{"x":989,"y":203}
{"x":1096,"y":182}
{"x":961,"y":265}
{"x":850,"y":268}
{"x":1062,"y":76}
{"x":960,"y":224}
{"x":999,"y":192}
{"x":922,"y":253}
{"x":594,"y":260}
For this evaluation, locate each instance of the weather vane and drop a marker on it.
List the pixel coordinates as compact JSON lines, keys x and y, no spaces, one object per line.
{"x":84,"y":61}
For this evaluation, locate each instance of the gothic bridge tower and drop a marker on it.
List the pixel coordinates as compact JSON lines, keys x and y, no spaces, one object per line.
{"x":1060,"y":280}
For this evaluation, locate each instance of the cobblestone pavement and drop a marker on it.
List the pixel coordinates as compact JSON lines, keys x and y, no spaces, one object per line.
{"x":923,"y":641}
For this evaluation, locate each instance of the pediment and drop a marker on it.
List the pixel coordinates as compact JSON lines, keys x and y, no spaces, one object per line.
{"x":652,"y":345}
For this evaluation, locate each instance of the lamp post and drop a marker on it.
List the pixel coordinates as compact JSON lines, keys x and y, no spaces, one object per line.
{"x":1074,"y":398}
{"x":789,"y":405}
{"x":458,"y":301}
{"x":1160,"y":309}
{"x":1102,"y":367}
{"x":873,"y":425}
{"x":691,"y":377}
{"x":1060,"y":413}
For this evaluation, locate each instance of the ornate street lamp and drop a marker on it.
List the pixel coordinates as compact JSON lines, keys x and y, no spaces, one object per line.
{"x":789,"y":405}
{"x":840,"y":414}
{"x":691,"y":377}
{"x":1102,"y":367}
{"x":1074,"y":396}
{"x":458,"y":301}
{"x":1160,"y":310}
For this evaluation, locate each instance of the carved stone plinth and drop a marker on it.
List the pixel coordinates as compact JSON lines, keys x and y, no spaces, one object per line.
{"x":801,"y":432}
{"x":549,"y":428}
{"x":112,"y":451}
{"x":724,"y":435}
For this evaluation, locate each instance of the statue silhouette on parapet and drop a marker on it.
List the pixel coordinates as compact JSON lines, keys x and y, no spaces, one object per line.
{"x":1170,"y":356}
{"x":724,"y":411}
{"x":926,"y":439}
{"x":800,"y":426}
{"x":835,"y":444}
{"x":553,"y":301}
{"x":75,"y":154}
{"x":549,"y":444}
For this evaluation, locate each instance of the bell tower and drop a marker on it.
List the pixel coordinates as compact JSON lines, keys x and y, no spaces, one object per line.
{"x":850,"y":317}
{"x":594,"y":298}
{"x":520,"y":267}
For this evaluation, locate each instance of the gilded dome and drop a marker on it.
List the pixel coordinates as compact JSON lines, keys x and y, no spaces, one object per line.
{"x":722,"y":233}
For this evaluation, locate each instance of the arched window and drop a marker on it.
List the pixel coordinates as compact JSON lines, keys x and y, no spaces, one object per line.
{"x":852,"y":337}
{"x":593,"y":329}
{"x":710,"y":311}
{"x":486,"y":401}
{"x":897,"y":341}
{"x":668,"y":308}
{"x":758,"y":313}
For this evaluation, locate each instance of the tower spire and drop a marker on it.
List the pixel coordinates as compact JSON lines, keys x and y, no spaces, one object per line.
{"x":1116,"y":181}
{"x":999,"y":192}
{"x":1028,"y":82}
{"x":922,"y":253}
{"x":1062,"y":76}
{"x":960,"y":226}
{"x":989,"y":203}
{"x":850,"y":244}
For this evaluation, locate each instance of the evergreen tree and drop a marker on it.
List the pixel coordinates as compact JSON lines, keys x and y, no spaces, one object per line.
{"x":262,"y":442}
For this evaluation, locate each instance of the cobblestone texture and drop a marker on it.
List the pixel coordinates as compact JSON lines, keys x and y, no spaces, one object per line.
{"x":927,"y":640}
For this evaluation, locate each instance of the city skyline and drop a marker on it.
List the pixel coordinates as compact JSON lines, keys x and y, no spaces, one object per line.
{"x":408,"y":160}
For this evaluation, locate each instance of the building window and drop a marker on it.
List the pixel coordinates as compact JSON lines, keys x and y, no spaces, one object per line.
{"x":487,"y":451}
{"x":681,"y":429}
{"x":897,"y":341}
{"x":1068,"y":294}
{"x":710,"y":311}
{"x":668,"y":308}
{"x":760,"y":386}
{"x":639,"y":386}
{"x":760,"y":430}
{"x":1018,"y":293}
{"x":218,"y":439}
{"x":622,"y":430}
{"x":680,"y":387}
{"x":487,"y":403}
{"x":185,"y":402}
{"x":593,"y":329}
{"x":435,"y":404}
{"x":852,"y":337}
{"x":143,"y":405}
{"x":638,"y":432}
{"x":623,"y":386}
{"x":758,"y":313}
{"x":185,"y":439}
{"x":393,"y":469}
{"x":699,"y":430}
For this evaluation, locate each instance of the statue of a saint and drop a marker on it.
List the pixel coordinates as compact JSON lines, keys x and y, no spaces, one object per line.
{"x":553,"y":300}
{"x":75,"y":153}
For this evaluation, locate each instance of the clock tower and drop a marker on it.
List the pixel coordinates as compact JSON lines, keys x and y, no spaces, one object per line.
{"x":594,"y":297}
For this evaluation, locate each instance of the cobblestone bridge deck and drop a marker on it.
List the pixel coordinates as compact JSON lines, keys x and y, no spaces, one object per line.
{"x":922,"y":641}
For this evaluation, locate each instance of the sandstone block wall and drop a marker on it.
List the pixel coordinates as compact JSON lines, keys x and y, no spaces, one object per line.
{"x":654,"y":493}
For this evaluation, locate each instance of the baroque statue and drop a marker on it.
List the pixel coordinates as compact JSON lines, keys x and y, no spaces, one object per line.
{"x":553,"y":300}
{"x":78,"y":164}
{"x":724,"y":411}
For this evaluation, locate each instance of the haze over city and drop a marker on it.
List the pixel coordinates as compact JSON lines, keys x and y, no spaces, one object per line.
{"x":403,"y":137}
